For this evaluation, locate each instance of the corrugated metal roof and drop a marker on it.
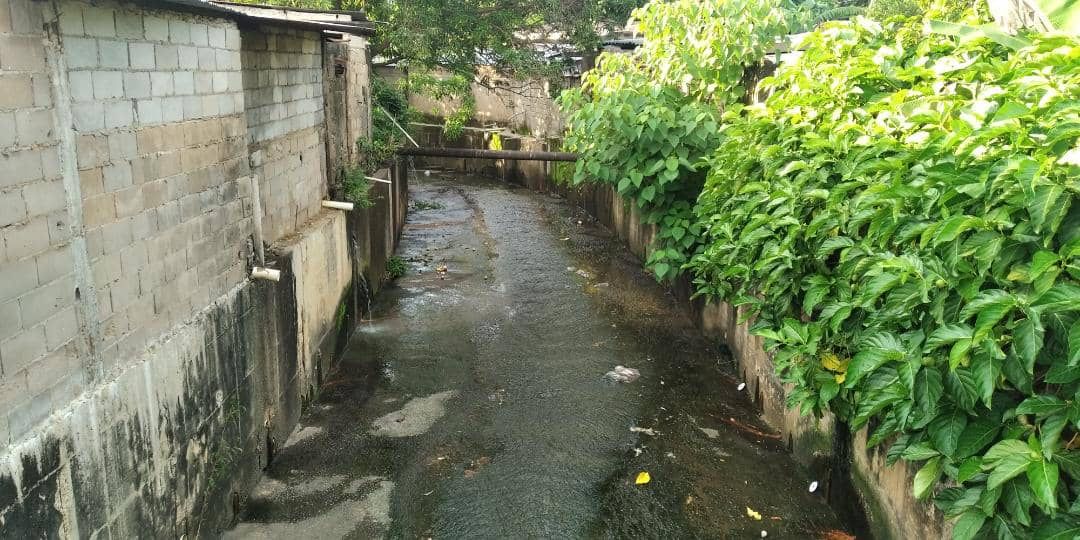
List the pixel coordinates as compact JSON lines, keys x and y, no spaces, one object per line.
{"x":209,"y":8}
{"x":356,"y":14}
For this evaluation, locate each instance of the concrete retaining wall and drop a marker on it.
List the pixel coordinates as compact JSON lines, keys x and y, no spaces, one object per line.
{"x":847,"y":469}
{"x":145,"y":380}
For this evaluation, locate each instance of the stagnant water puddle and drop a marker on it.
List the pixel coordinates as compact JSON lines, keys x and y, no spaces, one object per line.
{"x":474,"y":405}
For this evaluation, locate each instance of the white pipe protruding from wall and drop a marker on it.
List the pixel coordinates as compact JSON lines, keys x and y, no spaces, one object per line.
{"x":390,"y":189}
{"x":259,"y":272}
{"x":338,"y":205}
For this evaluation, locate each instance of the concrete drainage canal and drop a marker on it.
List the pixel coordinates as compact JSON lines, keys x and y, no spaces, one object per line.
{"x":474,"y":403}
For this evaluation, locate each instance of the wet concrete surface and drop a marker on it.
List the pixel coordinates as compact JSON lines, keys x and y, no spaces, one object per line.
{"x":473,"y":404}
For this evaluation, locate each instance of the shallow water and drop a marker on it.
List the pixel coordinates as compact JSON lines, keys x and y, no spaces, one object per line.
{"x":474,"y":404}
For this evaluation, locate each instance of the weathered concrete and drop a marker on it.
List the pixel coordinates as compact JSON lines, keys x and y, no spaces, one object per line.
{"x":886,"y":491}
{"x":145,"y":380}
{"x":524,"y":106}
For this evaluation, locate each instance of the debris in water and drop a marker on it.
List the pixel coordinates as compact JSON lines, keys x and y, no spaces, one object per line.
{"x":475,"y":466}
{"x":579,"y":222}
{"x":603,"y":285}
{"x":710,"y":432}
{"x":427,"y":173}
{"x":752,"y":514}
{"x":637,"y":452}
{"x":833,"y":534}
{"x":642,"y":478}
{"x":565,"y":239}
{"x":570,"y":269}
{"x":813,"y":486}
{"x":741,"y":386}
{"x":670,"y":455}
{"x":622,"y":374}
{"x":648,"y":431}
{"x":764,"y":534}
{"x":584,"y":273}
{"x":442,"y":269}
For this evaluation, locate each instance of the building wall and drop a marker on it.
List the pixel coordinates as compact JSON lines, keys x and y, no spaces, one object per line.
{"x":145,"y":380}
{"x":347,"y":104}
{"x":283,"y":93}
{"x":39,"y":365}
{"x":521,"y":106}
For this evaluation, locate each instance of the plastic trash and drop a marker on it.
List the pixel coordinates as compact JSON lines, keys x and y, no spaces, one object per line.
{"x":642,"y":478}
{"x":741,"y":386}
{"x":752,"y":514}
{"x":648,"y":431}
{"x":622,"y":374}
{"x":813,"y":486}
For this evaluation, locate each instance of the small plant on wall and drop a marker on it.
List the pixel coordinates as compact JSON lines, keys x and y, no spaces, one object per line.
{"x":396,"y":267}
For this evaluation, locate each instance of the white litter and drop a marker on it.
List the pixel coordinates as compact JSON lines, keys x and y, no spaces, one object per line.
{"x":764,"y":534}
{"x":813,"y":486}
{"x":741,"y":386}
{"x":648,"y":431}
{"x":622,"y":374}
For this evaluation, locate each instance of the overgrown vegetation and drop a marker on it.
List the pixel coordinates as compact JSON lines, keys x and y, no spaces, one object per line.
{"x":897,"y":218}
{"x":377,"y":151}
{"x":396,"y":267}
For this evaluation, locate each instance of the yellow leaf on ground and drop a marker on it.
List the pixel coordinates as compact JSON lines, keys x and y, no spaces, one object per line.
{"x":751,"y":513}
{"x":642,"y":478}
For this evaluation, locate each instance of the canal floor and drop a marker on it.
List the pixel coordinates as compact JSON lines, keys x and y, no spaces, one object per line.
{"x":474,"y":403}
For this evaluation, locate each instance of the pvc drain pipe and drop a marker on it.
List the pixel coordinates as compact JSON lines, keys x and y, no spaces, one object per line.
{"x":259,"y":272}
{"x":338,"y":205}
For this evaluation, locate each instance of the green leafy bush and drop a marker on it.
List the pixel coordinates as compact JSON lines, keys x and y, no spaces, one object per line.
{"x":396,"y":267}
{"x":898,"y":218}
{"x":357,"y":186}
{"x":643,"y":122}
{"x":901,"y":223}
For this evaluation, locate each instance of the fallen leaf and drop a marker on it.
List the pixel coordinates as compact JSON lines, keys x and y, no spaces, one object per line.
{"x":642,"y":478}
{"x":751,"y":513}
{"x":834,"y":534}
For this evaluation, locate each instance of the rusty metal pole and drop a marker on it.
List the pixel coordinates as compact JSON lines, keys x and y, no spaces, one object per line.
{"x":521,"y":155}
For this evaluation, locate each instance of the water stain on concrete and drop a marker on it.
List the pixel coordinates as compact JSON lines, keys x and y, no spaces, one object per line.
{"x":349,"y":518}
{"x":302,"y":434}
{"x":416,"y":417}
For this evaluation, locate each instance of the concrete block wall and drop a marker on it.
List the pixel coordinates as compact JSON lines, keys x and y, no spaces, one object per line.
{"x":283,"y":95}
{"x":157,"y":111}
{"x":144,"y":379}
{"x":347,"y":104}
{"x":39,"y":362}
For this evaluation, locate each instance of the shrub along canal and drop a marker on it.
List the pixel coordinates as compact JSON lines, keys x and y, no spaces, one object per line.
{"x":474,"y":403}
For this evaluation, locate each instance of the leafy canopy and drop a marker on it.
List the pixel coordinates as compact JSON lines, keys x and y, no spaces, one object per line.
{"x":900,"y":218}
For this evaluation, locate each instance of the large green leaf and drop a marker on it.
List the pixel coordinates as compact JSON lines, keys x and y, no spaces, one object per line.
{"x":1042,"y":475}
{"x":1062,"y":528}
{"x":969,"y":524}
{"x":927,"y":477}
{"x":1028,"y":339}
{"x":1059,"y":298}
{"x":1041,"y":405}
{"x":1017,"y":497}
{"x":1008,"y":468}
{"x":945,"y":431}
{"x":976,"y":436}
